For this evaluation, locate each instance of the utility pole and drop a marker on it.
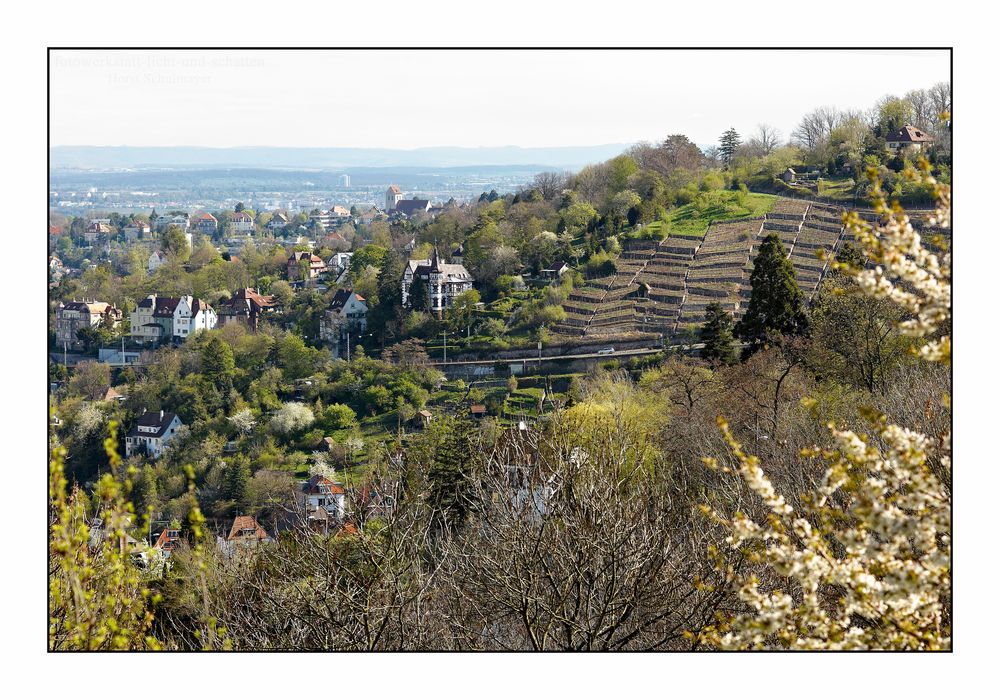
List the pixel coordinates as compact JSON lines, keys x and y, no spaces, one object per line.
{"x":348,"y":346}
{"x":444,"y":335}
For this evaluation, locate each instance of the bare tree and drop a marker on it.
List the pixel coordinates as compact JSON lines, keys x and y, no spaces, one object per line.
{"x":577,"y":550}
{"x":815,"y":127}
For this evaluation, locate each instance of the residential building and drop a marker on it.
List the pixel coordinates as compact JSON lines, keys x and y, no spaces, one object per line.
{"x":205,"y":224}
{"x":94,"y":230}
{"x":393,"y":195}
{"x":156,"y":260}
{"x":245,"y":306}
{"x":371,"y":215}
{"x":321,"y":493}
{"x":192,"y":315}
{"x":278,"y":221}
{"x":246,"y":531}
{"x":242,"y":223}
{"x":297,"y":261}
{"x":152,"y":433}
{"x":331,"y":219}
{"x":345,"y":180}
{"x":908,"y":136}
{"x":136,"y":230}
{"x":444,"y":281}
{"x":346,"y":314}
{"x":458,"y":255}
{"x":163,"y":221}
{"x":339,"y":262}
{"x":168,"y":541}
{"x":157,"y":319}
{"x":75,"y":315}
{"x":555,"y":271}
{"x":152,"y":321}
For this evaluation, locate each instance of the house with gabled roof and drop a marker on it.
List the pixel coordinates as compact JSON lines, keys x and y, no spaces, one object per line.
{"x":75,"y":315}
{"x":241,"y":223}
{"x":156,"y":319}
{"x":296,"y":264}
{"x":192,"y":315}
{"x":347,"y":313}
{"x":246,"y":530}
{"x":152,"y":433}
{"x":157,"y":259}
{"x":205,"y":223}
{"x":168,"y":541}
{"x":908,"y":136}
{"x":444,"y":281}
{"x":246,"y":306}
{"x":278,"y":221}
{"x":322,"y":493}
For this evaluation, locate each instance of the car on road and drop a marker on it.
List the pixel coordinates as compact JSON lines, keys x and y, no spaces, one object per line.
{"x":606,"y":351}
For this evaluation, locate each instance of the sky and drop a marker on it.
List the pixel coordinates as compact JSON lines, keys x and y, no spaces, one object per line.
{"x":413,"y":99}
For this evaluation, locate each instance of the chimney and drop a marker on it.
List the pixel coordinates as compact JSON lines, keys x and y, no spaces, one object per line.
{"x":161,"y":415}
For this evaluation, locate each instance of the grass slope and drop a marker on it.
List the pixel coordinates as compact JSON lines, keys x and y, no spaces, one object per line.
{"x":692,"y":220}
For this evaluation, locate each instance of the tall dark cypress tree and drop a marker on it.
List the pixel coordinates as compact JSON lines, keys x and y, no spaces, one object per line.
{"x":775,"y":306}
{"x":387,"y":312}
{"x":419,"y":296}
{"x":717,"y":335}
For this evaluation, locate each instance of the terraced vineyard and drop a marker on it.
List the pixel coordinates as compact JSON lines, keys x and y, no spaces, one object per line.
{"x":664,"y":287}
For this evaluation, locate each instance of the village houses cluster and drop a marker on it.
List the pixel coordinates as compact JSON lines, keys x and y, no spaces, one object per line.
{"x":159,"y":319}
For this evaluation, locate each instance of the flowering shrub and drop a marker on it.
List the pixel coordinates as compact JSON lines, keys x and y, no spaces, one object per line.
{"x":866,"y":564}
{"x":97,"y":599}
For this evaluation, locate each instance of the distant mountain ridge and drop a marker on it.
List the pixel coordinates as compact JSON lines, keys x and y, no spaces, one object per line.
{"x":570,"y":157}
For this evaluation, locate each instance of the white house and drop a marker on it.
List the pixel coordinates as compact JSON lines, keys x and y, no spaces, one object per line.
{"x":163,"y":221}
{"x":157,"y":318}
{"x":347,"y":313}
{"x":152,"y":433}
{"x":444,"y":281}
{"x":156,"y":260}
{"x":192,"y":315}
{"x":320,"y":492}
{"x":339,"y":262}
{"x":242,"y":223}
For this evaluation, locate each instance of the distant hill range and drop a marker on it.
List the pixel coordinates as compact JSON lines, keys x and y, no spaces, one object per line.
{"x":98,"y":157}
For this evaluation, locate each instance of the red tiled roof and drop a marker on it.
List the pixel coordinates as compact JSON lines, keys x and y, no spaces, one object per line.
{"x":318,"y":482}
{"x":246,"y":522}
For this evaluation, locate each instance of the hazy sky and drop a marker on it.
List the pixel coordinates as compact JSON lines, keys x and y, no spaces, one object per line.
{"x":409,"y":99}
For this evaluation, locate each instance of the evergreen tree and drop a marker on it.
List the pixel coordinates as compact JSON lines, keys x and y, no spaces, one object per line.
{"x":717,"y":335}
{"x":218,"y":364}
{"x":450,"y":471}
{"x":387,"y":310}
{"x":775,"y":306}
{"x":237,"y":481}
{"x":419,"y":296}
{"x":728,"y":143}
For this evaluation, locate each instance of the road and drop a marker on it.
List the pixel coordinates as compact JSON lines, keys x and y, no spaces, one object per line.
{"x":579,"y":356}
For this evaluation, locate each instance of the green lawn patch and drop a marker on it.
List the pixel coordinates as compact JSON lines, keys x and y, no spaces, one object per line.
{"x":692,"y":220}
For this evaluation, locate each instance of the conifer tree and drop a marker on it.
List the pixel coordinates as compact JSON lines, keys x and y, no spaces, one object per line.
{"x":775,"y":306}
{"x":728,"y":143}
{"x":717,"y":335}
